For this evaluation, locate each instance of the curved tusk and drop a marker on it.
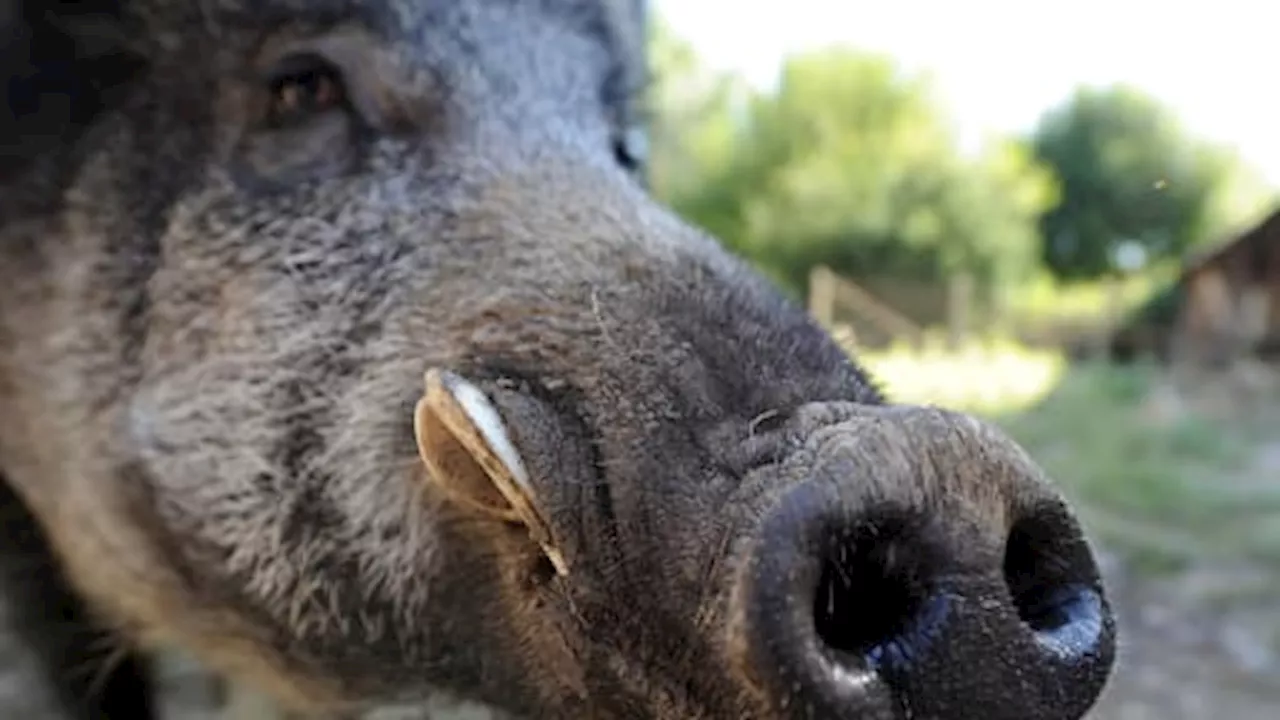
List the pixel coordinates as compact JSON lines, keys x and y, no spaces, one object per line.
{"x":475,"y":423}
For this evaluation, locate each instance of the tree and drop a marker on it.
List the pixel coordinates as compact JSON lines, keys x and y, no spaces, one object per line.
{"x":694,"y":126}
{"x":1129,"y":173}
{"x":1241,"y":197}
{"x":847,"y":162}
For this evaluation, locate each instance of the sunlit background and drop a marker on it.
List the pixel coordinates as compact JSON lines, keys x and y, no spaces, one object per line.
{"x":1000,"y":64}
{"x":1014,"y":208}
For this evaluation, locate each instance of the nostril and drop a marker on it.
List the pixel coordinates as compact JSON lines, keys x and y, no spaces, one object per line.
{"x":875,"y":598}
{"x":833,"y":596}
{"x":1050,"y":575}
{"x":896,"y":610}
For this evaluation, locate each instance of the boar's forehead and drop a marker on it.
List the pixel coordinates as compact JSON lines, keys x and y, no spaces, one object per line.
{"x":616,"y":22}
{"x":517,"y":44}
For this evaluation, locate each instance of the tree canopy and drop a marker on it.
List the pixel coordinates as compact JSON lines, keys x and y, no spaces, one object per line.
{"x":1132,"y":174}
{"x":850,"y":162}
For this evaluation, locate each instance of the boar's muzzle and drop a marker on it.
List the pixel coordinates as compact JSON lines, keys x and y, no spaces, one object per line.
{"x":921,"y":567}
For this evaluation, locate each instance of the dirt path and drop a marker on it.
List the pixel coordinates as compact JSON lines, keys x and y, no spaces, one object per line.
{"x":1203,"y":645}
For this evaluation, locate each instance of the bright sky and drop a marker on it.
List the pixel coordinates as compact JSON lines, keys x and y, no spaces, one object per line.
{"x":999,"y":64}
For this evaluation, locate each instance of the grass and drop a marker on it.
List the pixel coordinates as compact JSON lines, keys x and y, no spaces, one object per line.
{"x":963,"y":379}
{"x":1165,"y":488}
{"x":1163,"y":482}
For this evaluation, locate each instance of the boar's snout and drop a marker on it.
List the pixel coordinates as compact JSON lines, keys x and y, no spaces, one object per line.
{"x":922,"y":567}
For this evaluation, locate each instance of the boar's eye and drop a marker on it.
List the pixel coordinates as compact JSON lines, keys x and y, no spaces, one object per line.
{"x":301,"y":87}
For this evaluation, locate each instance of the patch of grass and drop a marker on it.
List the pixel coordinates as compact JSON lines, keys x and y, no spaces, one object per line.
{"x":994,"y":376}
{"x":1165,"y":488}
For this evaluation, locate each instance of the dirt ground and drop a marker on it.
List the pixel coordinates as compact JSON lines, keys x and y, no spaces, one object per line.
{"x":1204,"y":642}
{"x":1202,"y":645}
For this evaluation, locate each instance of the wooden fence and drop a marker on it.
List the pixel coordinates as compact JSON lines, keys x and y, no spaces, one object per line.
{"x":875,"y":313}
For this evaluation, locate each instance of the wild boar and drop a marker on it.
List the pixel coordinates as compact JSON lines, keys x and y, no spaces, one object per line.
{"x":240,"y":240}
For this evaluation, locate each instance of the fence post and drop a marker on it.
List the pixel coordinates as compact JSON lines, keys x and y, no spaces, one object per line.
{"x":959,"y":308}
{"x":822,"y":295}
{"x":1113,"y":312}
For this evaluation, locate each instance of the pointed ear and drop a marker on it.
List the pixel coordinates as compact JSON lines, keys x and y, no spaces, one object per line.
{"x":470,"y":457}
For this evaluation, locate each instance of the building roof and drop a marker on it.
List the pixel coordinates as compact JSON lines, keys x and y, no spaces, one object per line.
{"x":1268,"y":227}
{"x":1156,"y":310}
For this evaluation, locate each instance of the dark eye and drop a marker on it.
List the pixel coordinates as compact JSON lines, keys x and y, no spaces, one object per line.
{"x":301,"y":87}
{"x":631,"y":148}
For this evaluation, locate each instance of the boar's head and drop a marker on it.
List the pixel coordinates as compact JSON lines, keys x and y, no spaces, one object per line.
{"x":241,"y":235}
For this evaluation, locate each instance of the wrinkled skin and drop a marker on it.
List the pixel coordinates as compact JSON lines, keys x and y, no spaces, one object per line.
{"x":214,"y":324}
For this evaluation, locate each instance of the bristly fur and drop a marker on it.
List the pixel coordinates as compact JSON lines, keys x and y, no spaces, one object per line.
{"x":214,"y":326}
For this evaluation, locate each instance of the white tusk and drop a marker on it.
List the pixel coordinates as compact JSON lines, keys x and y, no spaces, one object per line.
{"x":487,"y":420}
{"x":477,"y":424}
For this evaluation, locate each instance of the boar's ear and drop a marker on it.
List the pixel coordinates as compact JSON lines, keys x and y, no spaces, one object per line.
{"x":62,"y":62}
{"x":469,"y":455}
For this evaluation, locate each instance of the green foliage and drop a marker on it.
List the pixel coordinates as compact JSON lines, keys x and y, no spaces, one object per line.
{"x":1130,"y":172}
{"x":848,"y":163}
{"x":1048,"y":306}
{"x":694,"y":127}
{"x":1162,"y":308}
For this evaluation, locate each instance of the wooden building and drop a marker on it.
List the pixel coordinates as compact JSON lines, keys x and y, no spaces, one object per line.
{"x":1230,"y":298}
{"x":1225,"y":304}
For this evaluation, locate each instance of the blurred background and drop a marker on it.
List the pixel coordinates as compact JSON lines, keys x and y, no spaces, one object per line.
{"x":1065,"y":218}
